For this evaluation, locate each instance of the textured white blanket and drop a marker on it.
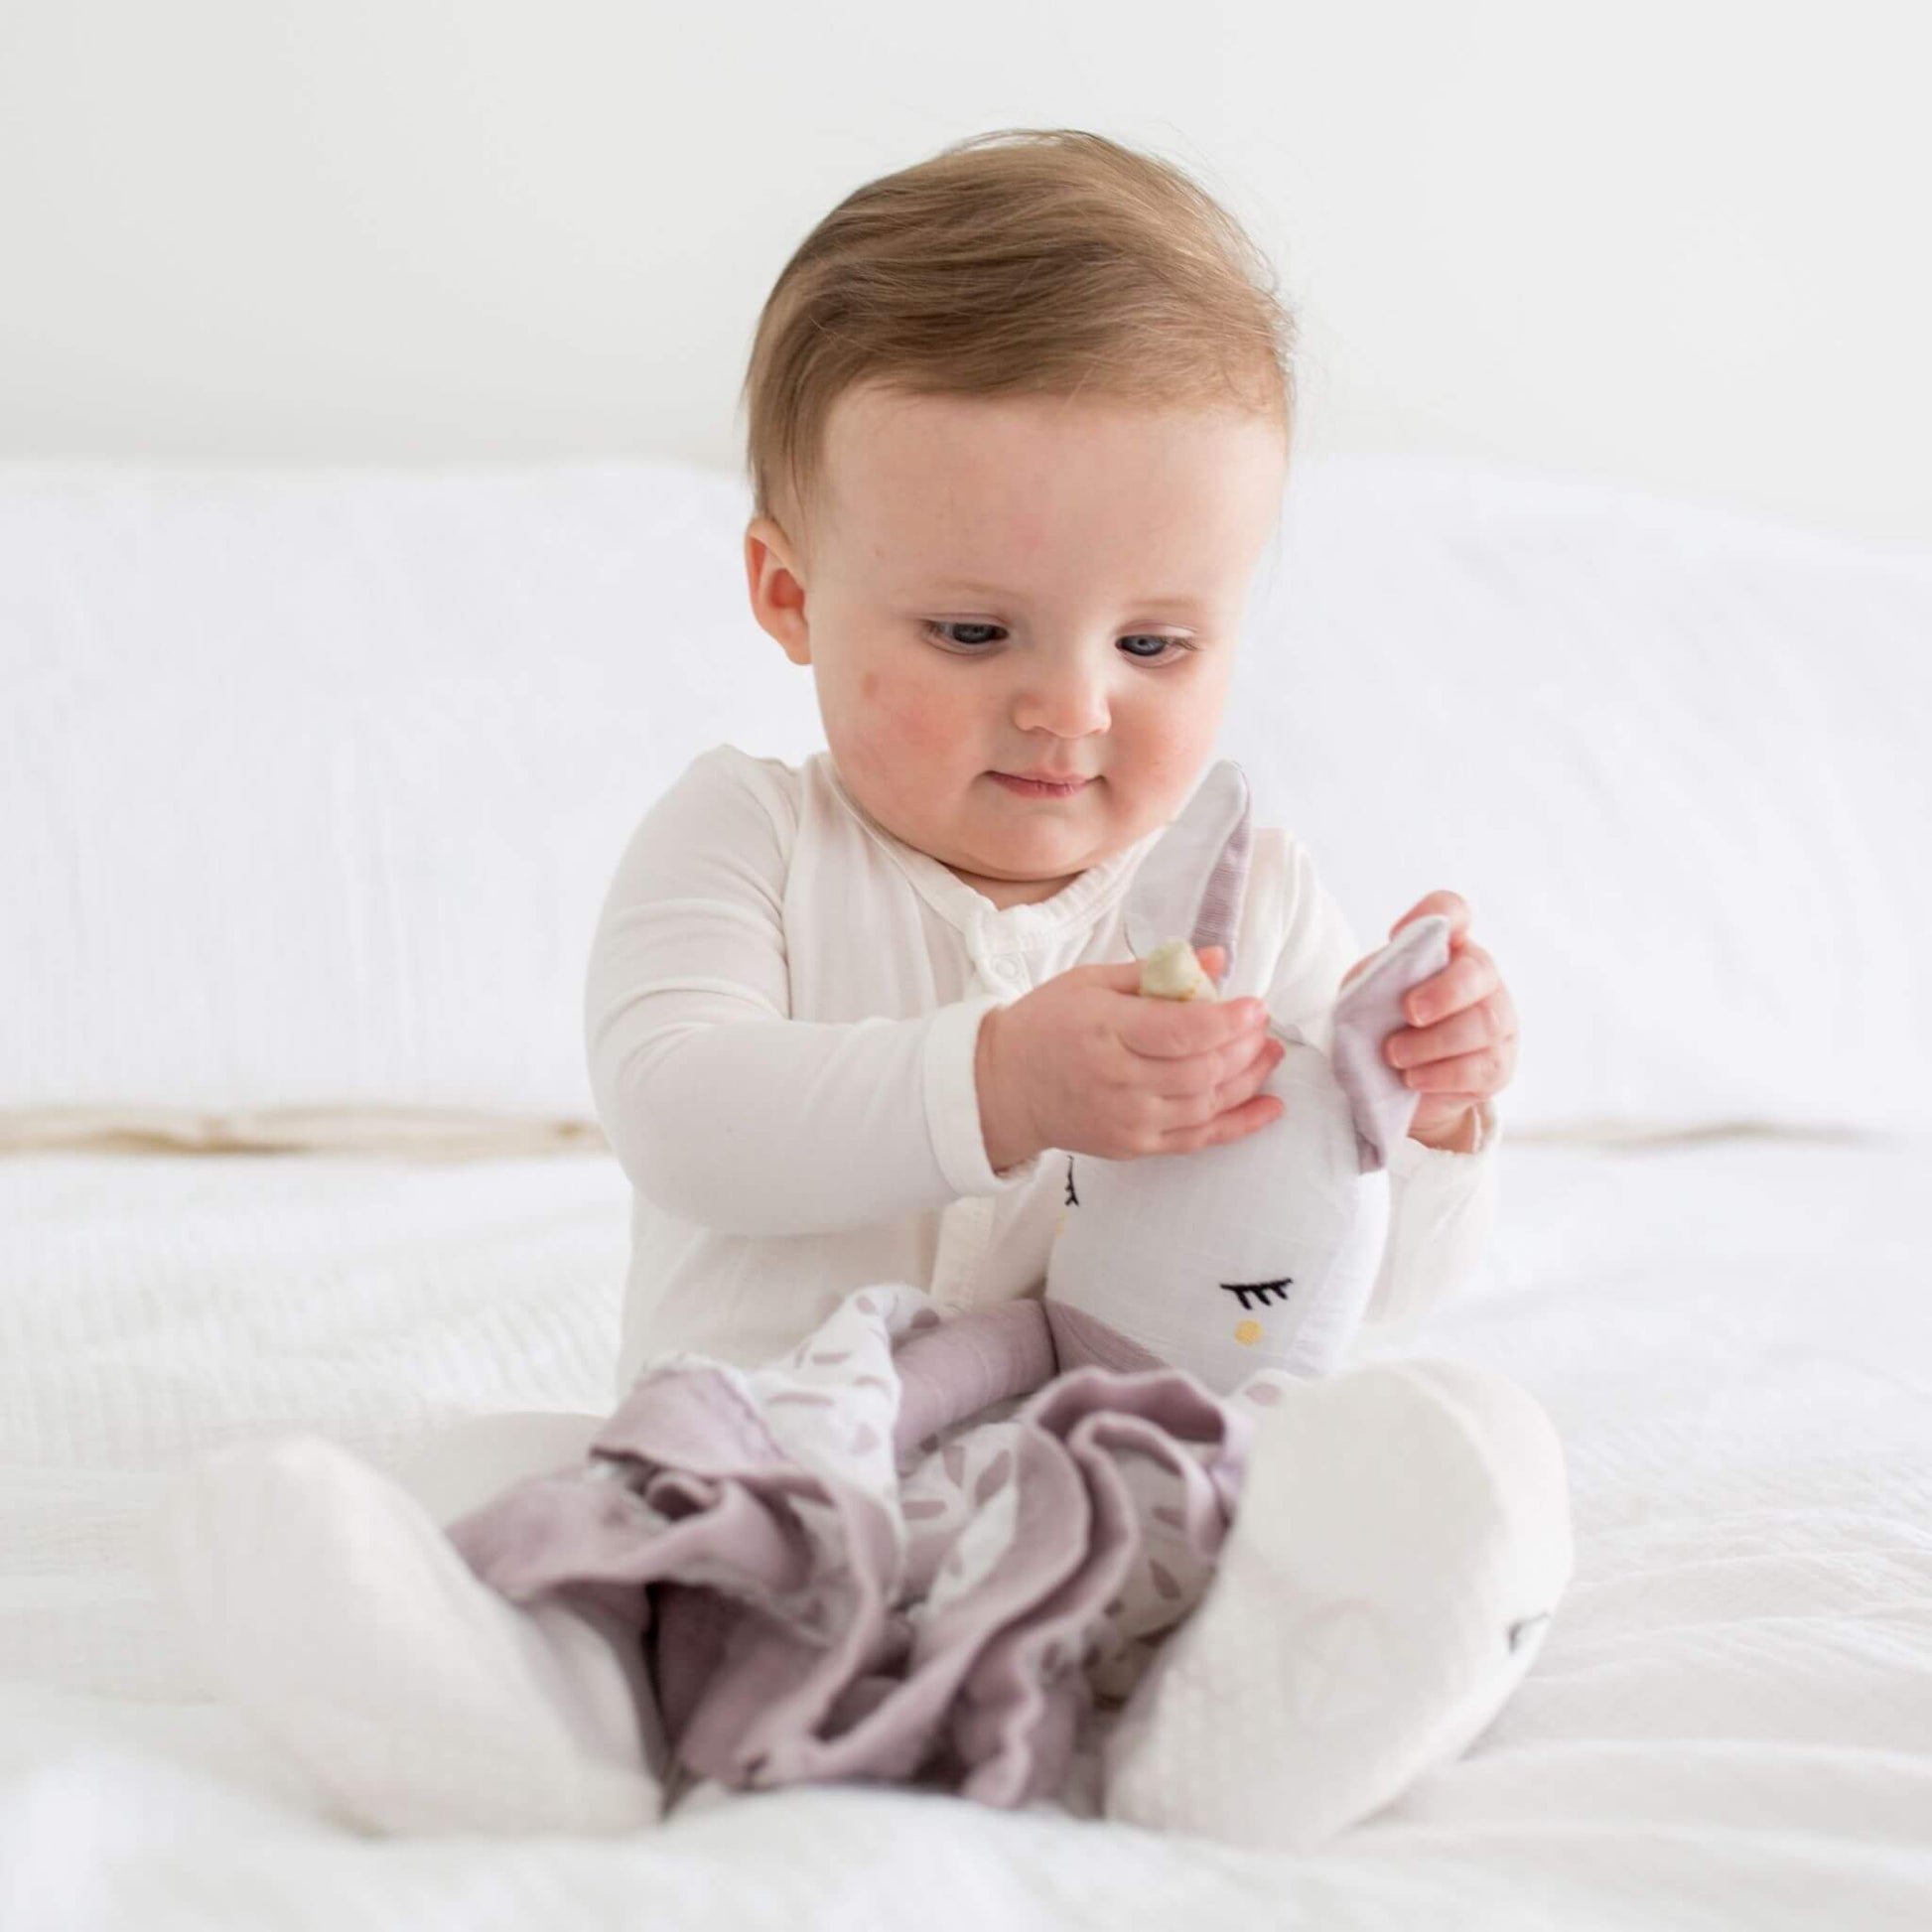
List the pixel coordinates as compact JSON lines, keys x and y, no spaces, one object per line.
{"x":1731,"y":1721}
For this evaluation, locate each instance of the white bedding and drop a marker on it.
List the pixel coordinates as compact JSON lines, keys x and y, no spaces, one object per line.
{"x":403,"y":721}
{"x":1731,"y":1721}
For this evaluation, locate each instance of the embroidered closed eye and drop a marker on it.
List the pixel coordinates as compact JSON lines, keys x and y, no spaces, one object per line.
{"x":1072,"y":1199}
{"x":1259,"y":1290}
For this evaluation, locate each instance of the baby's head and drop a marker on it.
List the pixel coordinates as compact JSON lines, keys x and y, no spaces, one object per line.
{"x":1017,"y":426}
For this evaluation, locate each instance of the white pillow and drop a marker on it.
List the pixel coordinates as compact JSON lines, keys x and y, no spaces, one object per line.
{"x":312,"y":781}
{"x":1674,"y":758}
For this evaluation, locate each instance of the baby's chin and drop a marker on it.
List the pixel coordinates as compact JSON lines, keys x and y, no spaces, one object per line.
{"x":1038,"y":853}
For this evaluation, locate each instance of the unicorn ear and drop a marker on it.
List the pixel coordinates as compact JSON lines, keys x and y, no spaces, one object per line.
{"x":1191,"y":883}
{"x":1368,"y":1010}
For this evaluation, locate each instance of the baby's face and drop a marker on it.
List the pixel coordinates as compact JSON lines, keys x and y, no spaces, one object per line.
{"x":1021,"y":585}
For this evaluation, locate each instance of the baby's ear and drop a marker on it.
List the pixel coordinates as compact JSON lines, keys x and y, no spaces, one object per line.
{"x":1191,"y":883}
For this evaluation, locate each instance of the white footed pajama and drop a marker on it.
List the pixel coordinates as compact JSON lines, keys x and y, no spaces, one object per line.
{"x":1401,"y":1538}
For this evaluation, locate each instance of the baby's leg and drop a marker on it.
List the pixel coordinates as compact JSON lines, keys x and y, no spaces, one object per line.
{"x":1401,"y":1540}
{"x":323,"y":1599}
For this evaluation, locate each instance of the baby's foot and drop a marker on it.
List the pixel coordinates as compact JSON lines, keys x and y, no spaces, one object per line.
{"x":325,"y":1600}
{"x":1402,"y":1537}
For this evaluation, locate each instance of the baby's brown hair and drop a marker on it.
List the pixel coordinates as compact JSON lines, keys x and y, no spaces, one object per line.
{"x":1048,"y":261}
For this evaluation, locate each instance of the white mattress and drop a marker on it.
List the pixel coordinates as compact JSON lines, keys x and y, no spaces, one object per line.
{"x":1731,"y":1721}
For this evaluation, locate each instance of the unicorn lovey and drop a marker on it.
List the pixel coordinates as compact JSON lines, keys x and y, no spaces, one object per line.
{"x":1259,"y":1252}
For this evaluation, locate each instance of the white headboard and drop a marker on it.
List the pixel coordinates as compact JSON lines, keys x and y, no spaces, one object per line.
{"x":1667,"y":242}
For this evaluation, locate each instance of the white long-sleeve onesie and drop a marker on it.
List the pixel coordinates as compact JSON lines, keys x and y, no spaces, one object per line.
{"x":781,"y":1009}
{"x":780,"y":1013}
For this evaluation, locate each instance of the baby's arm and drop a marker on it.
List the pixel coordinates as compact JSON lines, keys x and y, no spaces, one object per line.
{"x":1441,"y":1202}
{"x":723,"y":1109}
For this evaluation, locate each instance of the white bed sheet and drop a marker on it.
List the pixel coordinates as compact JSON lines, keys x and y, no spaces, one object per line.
{"x":1730,"y":1722}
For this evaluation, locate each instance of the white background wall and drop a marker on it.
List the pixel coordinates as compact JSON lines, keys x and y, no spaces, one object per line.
{"x":1679,"y":243}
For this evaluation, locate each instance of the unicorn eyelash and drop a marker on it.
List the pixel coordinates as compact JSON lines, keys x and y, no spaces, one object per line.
{"x":1259,"y":1290}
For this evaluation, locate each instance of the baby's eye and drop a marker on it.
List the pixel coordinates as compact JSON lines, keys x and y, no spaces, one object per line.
{"x":1259,"y":1290}
{"x":970,"y":640}
{"x":1072,"y":1199}
{"x":937,"y":629}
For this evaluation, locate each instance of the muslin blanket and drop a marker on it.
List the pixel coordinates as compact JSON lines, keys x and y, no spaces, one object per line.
{"x":909,"y":1550}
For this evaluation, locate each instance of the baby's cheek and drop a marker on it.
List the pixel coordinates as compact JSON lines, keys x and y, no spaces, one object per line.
{"x":902,"y":719}
{"x":1172,"y":751}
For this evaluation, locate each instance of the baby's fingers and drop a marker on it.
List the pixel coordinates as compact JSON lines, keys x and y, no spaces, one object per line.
{"x":1478,"y":1074}
{"x":1180,"y":1029}
{"x":1232,"y":1071}
{"x":1263,"y":1110}
{"x":1199,"y":1109}
{"x":1485,"y":1023}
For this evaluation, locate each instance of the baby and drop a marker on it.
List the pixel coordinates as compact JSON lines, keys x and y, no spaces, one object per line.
{"x":1019,"y":427}
{"x":1018,"y":422}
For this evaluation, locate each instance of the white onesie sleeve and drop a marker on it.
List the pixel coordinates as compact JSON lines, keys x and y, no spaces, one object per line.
{"x":1441,"y":1202}
{"x":720,"y":1108}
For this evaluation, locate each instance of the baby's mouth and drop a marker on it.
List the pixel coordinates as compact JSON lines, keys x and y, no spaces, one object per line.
{"x":1033,"y":788}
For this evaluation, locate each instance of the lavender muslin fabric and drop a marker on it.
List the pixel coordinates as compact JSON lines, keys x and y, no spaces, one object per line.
{"x":907,"y":1551}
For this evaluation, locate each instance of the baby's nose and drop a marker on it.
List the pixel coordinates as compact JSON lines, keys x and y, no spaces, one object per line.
{"x":1070,"y":703}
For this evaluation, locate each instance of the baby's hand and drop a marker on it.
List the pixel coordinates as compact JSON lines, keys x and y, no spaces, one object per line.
{"x":1088,"y":1063}
{"x":1459,"y":1046}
